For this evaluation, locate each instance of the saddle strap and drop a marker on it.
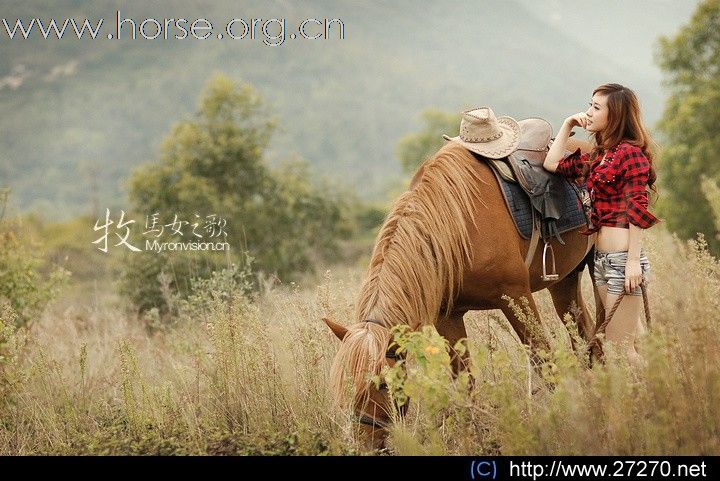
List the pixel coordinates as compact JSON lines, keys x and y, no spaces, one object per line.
{"x":533,"y":240}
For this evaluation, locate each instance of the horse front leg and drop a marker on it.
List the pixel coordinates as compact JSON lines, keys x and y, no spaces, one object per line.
{"x":527,"y":325}
{"x":452,"y":328}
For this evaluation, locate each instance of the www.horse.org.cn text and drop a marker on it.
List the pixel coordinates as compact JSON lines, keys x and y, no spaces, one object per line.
{"x":272,"y":32}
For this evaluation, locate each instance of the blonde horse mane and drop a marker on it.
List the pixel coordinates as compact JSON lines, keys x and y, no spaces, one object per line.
{"x":416,"y":266}
{"x":361,"y":355}
{"x":424,"y":244}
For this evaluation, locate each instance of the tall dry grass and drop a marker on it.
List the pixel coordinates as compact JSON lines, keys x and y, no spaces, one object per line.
{"x":249,"y":376}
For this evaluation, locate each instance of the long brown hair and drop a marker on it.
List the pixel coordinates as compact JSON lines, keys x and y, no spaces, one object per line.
{"x":625,"y":124}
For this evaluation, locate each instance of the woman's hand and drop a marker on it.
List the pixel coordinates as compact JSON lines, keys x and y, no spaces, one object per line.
{"x":633,"y":275}
{"x":577,"y":120}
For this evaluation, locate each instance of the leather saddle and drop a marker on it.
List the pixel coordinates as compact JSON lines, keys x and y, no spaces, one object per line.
{"x":544,"y":189}
{"x":525,"y":167}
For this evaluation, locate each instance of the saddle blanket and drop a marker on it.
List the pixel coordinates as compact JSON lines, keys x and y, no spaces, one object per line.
{"x":520,"y":207}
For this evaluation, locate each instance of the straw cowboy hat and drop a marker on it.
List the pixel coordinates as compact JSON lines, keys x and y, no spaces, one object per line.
{"x":483,"y":133}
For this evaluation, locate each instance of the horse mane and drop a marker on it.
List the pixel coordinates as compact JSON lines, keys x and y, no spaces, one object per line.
{"x":361,"y":355}
{"x":424,"y":244}
{"x":416,"y":266}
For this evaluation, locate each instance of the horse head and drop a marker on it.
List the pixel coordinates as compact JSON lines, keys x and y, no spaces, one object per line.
{"x":366,"y":349}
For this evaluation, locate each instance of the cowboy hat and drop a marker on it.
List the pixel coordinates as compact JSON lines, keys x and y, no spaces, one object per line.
{"x":483,"y":133}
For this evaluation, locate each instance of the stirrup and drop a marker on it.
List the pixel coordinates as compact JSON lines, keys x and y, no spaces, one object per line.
{"x":545,"y":276}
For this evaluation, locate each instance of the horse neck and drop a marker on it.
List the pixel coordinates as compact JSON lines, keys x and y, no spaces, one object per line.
{"x":424,"y":245}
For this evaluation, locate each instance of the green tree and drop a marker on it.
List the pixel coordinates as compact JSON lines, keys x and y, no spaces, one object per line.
{"x":691,"y":123}
{"x":213,"y":163}
{"x":413,"y":149}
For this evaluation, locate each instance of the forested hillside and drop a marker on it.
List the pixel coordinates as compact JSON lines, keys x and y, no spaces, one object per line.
{"x":79,"y":115}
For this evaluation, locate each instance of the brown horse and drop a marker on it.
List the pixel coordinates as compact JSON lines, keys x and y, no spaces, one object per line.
{"x":448,"y":245}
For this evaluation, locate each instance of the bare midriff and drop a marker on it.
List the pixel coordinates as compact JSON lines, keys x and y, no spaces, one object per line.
{"x":612,"y":239}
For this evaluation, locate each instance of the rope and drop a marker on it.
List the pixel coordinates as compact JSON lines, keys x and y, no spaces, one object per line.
{"x":595,"y":345}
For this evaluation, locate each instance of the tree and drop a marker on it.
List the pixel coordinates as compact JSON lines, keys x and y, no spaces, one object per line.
{"x":413,"y":149}
{"x":213,"y":164}
{"x":691,"y":123}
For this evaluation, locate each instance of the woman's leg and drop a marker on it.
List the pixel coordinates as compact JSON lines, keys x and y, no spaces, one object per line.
{"x":623,"y":330}
{"x":602,"y":289}
{"x":626,"y":324}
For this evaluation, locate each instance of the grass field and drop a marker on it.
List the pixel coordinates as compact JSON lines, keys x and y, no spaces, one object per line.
{"x":250,"y":376}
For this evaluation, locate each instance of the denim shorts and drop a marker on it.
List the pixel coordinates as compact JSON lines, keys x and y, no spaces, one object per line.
{"x":610,"y":271}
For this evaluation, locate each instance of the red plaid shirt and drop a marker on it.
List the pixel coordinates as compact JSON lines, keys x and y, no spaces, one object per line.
{"x":617,"y":186}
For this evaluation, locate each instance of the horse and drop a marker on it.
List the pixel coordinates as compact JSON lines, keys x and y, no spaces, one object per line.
{"x":447,"y":246}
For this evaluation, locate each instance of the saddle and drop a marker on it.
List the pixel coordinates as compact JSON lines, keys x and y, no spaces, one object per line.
{"x":545,"y":190}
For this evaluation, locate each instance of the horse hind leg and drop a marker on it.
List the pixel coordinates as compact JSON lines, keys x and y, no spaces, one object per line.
{"x":567,"y":298}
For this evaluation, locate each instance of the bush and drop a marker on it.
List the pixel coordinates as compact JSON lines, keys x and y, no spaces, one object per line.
{"x":22,"y":282}
{"x":162,"y":286}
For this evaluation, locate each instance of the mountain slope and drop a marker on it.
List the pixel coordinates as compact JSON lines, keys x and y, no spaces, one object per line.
{"x":87,"y":112}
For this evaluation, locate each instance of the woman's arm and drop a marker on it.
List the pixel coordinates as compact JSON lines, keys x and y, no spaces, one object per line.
{"x":635,"y":242}
{"x":636,"y":167}
{"x":636,"y":170}
{"x":633,"y":270}
{"x":557,"y":149}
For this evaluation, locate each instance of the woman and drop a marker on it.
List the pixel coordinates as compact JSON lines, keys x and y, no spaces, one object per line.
{"x":616,"y":173}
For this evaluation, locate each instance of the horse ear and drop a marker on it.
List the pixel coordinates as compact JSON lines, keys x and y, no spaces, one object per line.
{"x":336,"y":328}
